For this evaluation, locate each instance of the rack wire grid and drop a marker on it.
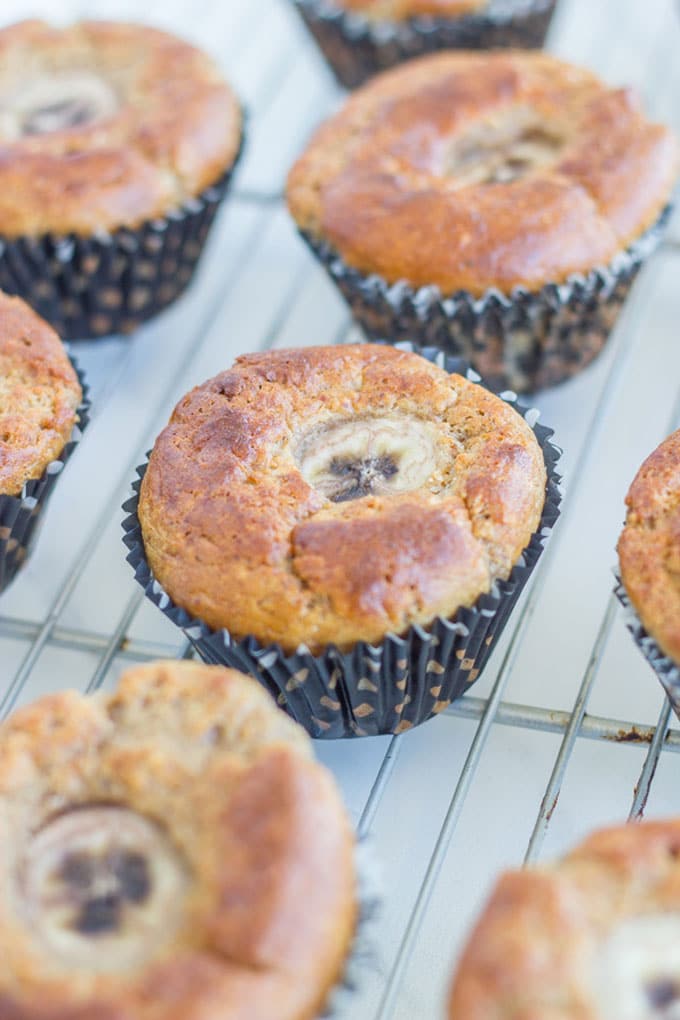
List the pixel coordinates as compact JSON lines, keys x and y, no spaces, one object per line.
{"x":567,"y":729}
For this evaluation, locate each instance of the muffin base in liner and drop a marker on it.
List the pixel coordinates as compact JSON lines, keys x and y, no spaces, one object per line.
{"x":111,"y":283}
{"x":371,"y":689}
{"x":357,"y":48}
{"x":361,"y":961}
{"x":21,"y":515}
{"x":527,"y":340}
{"x":665,"y":668}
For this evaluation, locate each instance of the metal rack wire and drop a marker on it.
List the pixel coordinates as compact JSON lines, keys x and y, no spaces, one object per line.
{"x":51,"y":632}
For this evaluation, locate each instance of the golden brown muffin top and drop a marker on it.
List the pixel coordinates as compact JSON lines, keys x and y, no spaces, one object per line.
{"x":39,"y":395}
{"x":400,"y":10}
{"x":337,"y":494}
{"x":649,"y":546}
{"x":594,"y":937}
{"x":105,"y":125}
{"x":172,"y":852}
{"x":475,"y":171}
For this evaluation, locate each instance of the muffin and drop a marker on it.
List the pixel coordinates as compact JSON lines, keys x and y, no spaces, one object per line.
{"x":361,"y":37}
{"x":593,"y":937}
{"x":350,"y":524}
{"x":171,"y":850}
{"x":495,"y":205}
{"x":649,"y":559}
{"x":42,"y":414}
{"x":118,"y":142}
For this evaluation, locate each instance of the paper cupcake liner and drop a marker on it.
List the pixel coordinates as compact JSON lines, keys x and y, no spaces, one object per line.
{"x":356,"y":47}
{"x":527,"y":340}
{"x":372,"y":689}
{"x":665,"y":668}
{"x":362,"y":959}
{"x":21,"y":515}
{"x":89,"y":287}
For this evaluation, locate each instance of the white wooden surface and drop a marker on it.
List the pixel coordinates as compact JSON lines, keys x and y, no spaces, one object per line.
{"x":258,"y":287}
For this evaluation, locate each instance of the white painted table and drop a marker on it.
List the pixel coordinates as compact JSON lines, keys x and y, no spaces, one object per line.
{"x":76,"y":618}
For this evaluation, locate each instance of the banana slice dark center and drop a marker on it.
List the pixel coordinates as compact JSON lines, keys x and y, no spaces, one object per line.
{"x":361,"y":478}
{"x":56,"y":102}
{"x":636,"y":972}
{"x":502,"y":151}
{"x":663,"y":995}
{"x":102,"y":886}
{"x":68,"y":113}
{"x":356,"y":457}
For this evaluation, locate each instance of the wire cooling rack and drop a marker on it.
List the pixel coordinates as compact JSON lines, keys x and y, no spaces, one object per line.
{"x":568,"y":728}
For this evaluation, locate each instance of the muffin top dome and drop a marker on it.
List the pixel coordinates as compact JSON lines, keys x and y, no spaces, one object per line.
{"x":334,"y":495}
{"x":170,"y":851}
{"x":475,"y":171}
{"x":104,"y":125}
{"x":39,"y":395}
{"x":594,"y":937}
{"x":649,"y":547}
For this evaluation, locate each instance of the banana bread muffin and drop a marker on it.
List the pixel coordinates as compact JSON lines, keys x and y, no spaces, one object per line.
{"x":333,"y":496}
{"x":171,"y":850}
{"x":497,"y":205}
{"x":362,"y":37}
{"x":116,"y":143}
{"x":41,"y":415}
{"x":649,"y":557}
{"x":594,"y":937}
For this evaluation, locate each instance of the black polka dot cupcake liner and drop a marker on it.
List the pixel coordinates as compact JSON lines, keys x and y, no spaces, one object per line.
{"x":20,"y":516}
{"x":357,"y":48}
{"x":111,"y":283}
{"x":372,"y":689}
{"x":525,"y":340}
{"x":665,"y":668}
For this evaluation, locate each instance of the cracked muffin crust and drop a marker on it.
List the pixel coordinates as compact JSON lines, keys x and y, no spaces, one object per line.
{"x":649,"y":546}
{"x":335,"y":495}
{"x":594,"y":937}
{"x":39,"y":395}
{"x":106,"y":125}
{"x":478,"y":171}
{"x":171,"y":850}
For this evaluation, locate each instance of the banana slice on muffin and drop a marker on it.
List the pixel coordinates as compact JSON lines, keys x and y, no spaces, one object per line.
{"x":56,"y":102}
{"x":373,"y":455}
{"x":170,"y":850}
{"x":102,"y":875}
{"x":595,"y":936}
